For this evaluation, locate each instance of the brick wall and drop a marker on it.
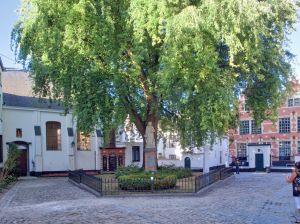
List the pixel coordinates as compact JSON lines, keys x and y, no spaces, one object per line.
{"x":269,"y":130}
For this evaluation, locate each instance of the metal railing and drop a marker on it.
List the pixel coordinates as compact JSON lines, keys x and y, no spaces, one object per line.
{"x":226,"y":172}
{"x":113,"y":186}
{"x":80,"y":177}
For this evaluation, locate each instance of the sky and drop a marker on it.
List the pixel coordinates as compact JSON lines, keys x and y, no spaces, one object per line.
{"x":8,"y":17}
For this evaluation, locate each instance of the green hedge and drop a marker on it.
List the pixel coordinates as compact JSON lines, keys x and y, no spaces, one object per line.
{"x":143,"y":182}
{"x":135,"y":178}
{"x":180,"y":172}
{"x":129,"y":170}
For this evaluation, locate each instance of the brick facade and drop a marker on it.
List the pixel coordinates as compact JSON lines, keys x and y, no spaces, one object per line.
{"x":284,"y":140}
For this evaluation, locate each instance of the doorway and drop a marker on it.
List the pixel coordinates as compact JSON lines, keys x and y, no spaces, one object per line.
{"x":259,"y":162}
{"x":112,"y":162}
{"x":187,"y":163}
{"x":23,"y":162}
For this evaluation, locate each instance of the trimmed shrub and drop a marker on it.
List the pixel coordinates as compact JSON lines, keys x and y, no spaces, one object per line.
{"x":143,"y":182}
{"x":180,"y":172}
{"x":129,"y":170}
{"x":135,"y":178}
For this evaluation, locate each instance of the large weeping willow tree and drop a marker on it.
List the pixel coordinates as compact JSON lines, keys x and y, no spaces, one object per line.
{"x":181,"y":62}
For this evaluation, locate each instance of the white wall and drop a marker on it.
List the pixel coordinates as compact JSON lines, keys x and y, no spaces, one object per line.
{"x":167,"y":151}
{"x":216,"y":155}
{"x":86,"y":159}
{"x":55,"y":160}
{"x":13,"y":119}
{"x":168,"y":162}
{"x":128,"y":154}
{"x":259,"y":149}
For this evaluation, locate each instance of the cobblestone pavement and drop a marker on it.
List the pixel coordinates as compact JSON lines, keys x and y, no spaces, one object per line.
{"x":249,"y":198}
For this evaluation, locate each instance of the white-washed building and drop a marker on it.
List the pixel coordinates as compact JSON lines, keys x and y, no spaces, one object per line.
{"x":45,"y":135}
{"x":207,"y":157}
{"x":50,"y":142}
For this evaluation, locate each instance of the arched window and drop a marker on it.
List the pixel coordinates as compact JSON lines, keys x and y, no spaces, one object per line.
{"x":83,"y":141}
{"x":53,"y":135}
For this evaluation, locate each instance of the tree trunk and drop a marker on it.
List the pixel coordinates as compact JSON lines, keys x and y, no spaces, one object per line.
{"x":112,"y":138}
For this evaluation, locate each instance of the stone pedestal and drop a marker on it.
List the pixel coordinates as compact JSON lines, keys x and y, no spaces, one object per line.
{"x":150,"y":159}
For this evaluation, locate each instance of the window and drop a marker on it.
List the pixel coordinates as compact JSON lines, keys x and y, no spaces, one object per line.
{"x":172,"y":156}
{"x":284,"y":125}
{"x":296,"y":102}
{"x":242,"y":152}
{"x":53,"y":135}
{"x":135,"y":154}
{"x":83,"y":141}
{"x":284,"y":150}
{"x":246,"y":107}
{"x":172,"y":140}
{"x":244,"y":127}
{"x":298,"y":124}
{"x":298,"y":147}
{"x":37,"y":130}
{"x":120,"y":161}
{"x":19,"y":132}
{"x":255,"y":129}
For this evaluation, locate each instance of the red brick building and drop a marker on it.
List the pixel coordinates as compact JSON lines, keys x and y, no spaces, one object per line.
{"x":283,"y":135}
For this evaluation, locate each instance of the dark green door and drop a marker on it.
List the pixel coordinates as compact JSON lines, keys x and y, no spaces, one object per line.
{"x":259,"y":162}
{"x":187,"y":163}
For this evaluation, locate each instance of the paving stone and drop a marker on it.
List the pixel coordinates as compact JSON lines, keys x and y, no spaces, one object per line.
{"x":250,"y":198}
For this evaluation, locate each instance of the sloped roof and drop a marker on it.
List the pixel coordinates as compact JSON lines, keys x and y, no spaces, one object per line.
{"x":29,"y":102}
{"x":17,"y":91}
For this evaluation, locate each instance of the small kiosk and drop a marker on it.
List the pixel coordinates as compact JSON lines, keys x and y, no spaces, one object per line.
{"x":259,"y":156}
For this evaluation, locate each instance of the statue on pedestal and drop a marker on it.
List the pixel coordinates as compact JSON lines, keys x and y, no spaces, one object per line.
{"x":149,"y":136}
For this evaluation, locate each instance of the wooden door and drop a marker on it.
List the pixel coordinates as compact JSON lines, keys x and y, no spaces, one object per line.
{"x":104,"y":160}
{"x":23,"y":163}
{"x":112,"y":163}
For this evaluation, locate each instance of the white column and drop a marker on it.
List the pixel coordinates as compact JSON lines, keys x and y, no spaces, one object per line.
{"x":98,"y":144}
{"x":70,"y":143}
{"x":37,"y":146}
{"x":205,"y":160}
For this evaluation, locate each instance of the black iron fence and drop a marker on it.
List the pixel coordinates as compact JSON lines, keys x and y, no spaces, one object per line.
{"x":113,"y":186}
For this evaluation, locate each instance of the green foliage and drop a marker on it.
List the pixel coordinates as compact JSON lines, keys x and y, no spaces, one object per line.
{"x":129,"y":170}
{"x":172,"y":170}
{"x":182,"y":62}
{"x":143,"y":182}
{"x":180,"y":172}
{"x":10,"y":165}
{"x":9,"y":172}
